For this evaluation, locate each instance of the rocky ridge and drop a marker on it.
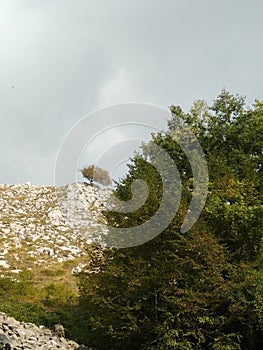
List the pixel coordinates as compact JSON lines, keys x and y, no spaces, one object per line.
{"x":41,"y":225}
{"x":15,"y":335}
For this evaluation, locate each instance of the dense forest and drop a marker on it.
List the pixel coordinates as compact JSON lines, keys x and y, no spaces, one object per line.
{"x":202,"y":289}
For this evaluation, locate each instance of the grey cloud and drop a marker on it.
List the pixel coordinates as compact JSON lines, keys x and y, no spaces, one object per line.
{"x":61,"y":59}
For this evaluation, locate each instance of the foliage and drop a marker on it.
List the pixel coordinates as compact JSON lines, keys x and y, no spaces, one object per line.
{"x":203,"y":289}
{"x":198,"y":290}
{"x":97,"y":174}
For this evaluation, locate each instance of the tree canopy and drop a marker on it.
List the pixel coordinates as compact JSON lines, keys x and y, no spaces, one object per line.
{"x":198,"y":290}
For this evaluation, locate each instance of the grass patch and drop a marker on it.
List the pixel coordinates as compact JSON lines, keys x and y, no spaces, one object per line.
{"x":53,"y":272}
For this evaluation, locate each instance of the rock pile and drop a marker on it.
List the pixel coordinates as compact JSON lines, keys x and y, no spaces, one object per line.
{"x":40,"y":225}
{"x":15,"y":335}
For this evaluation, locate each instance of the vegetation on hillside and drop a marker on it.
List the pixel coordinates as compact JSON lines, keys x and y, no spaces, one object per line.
{"x":202,"y":289}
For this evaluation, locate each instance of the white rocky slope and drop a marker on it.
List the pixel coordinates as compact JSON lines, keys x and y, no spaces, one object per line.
{"x":42,"y":225}
{"x":15,"y":335}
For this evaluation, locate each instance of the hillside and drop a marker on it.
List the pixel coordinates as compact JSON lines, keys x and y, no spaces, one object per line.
{"x":45,"y":231}
{"x":22,"y":335}
{"x":42,"y":225}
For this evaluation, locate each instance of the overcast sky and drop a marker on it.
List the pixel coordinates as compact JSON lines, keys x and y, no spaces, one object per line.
{"x":63,"y":59}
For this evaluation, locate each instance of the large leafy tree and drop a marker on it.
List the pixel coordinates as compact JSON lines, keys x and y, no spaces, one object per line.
{"x":198,"y":290}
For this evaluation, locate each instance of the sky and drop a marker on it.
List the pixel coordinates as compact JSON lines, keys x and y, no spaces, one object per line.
{"x":62,"y":60}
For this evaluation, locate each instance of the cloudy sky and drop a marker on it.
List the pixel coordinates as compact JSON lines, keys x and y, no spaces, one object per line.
{"x":61,"y":60}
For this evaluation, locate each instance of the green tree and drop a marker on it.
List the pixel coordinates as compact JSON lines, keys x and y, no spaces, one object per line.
{"x":202,"y":289}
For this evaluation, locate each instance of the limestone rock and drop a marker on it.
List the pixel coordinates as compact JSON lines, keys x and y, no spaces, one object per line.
{"x":49,"y":224}
{"x":15,"y":335}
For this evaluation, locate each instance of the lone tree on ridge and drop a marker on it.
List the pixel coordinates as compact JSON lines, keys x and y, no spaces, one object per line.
{"x":97,"y":174}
